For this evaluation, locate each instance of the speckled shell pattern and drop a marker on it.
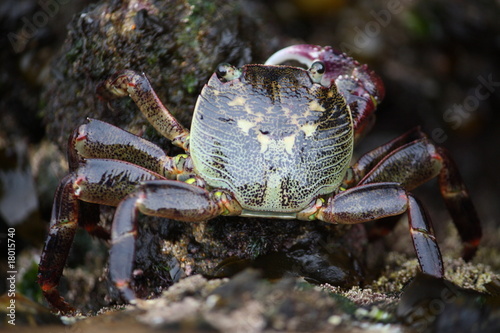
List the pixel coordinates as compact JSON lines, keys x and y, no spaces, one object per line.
{"x":272,"y":137}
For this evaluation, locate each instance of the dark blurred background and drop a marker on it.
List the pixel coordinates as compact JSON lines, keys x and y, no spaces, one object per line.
{"x":439,"y":61}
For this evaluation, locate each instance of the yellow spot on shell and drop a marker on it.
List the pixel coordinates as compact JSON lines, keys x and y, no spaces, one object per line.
{"x":237,"y":101}
{"x":309,"y":129}
{"x":289,"y":142}
{"x":264,"y":141}
{"x":286,"y":110}
{"x":259,"y":117}
{"x":245,"y":125}
{"x":315,"y":106}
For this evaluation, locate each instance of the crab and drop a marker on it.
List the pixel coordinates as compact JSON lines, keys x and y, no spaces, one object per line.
{"x":266,"y":140}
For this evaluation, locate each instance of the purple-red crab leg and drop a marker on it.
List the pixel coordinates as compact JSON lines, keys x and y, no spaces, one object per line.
{"x":170,"y":199}
{"x":98,"y":181}
{"x":413,"y":159}
{"x":185,"y":202}
{"x":137,"y":86}
{"x":360,"y":86}
{"x":370,"y":202}
{"x":106,"y":164}
{"x":98,"y":139}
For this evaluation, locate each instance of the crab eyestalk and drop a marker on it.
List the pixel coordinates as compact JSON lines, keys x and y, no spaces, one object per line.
{"x":226,"y":72}
{"x":317,"y":71}
{"x":137,"y":86}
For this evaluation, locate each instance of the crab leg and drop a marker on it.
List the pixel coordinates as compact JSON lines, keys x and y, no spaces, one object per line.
{"x":63,"y":225}
{"x":137,"y":86}
{"x":459,"y":204}
{"x":375,"y":201}
{"x":412,"y":163}
{"x":369,"y":160}
{"x":165,"y":198}
{"x":97,"y":181}
{"x":98,"y":139}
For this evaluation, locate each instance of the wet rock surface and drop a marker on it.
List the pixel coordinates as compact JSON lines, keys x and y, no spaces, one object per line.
{"x":238,"y":274}
{"x":177,"y":44}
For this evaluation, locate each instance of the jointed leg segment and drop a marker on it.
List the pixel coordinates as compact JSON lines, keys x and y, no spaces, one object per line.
{"x":133,"y":189}
{"x":411,"y":160}
{"x":98,"y":139}
{"x":137,"y":86}
{"x":63,"y":225}
{"x":459,"y":204}
{"x":379,"y":200}
{"x":164,"y":198}
{"x":83,"y":185}
{"x":107,"y":164}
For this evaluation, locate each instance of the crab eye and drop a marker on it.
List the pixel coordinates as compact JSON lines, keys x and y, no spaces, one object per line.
{"x":316,"y":71}
{"x":226,"y":72}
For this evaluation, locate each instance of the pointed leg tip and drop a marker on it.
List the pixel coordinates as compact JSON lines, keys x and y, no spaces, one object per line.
{"x":57,"y":302}
{"x":127,"y":293}
{"x":470,"y":250}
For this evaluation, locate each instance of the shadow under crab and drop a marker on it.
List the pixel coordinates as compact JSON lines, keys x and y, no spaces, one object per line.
{"x":266,"y":141}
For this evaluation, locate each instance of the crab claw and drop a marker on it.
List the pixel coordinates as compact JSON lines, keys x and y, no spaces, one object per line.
{"x":360,"y":86}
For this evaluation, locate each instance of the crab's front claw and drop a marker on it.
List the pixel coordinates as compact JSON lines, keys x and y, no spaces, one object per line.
{"x":119,"y":84}
{"x":137,"y":86}
{"x":362,"y":88}
{"x":339,"y":66}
